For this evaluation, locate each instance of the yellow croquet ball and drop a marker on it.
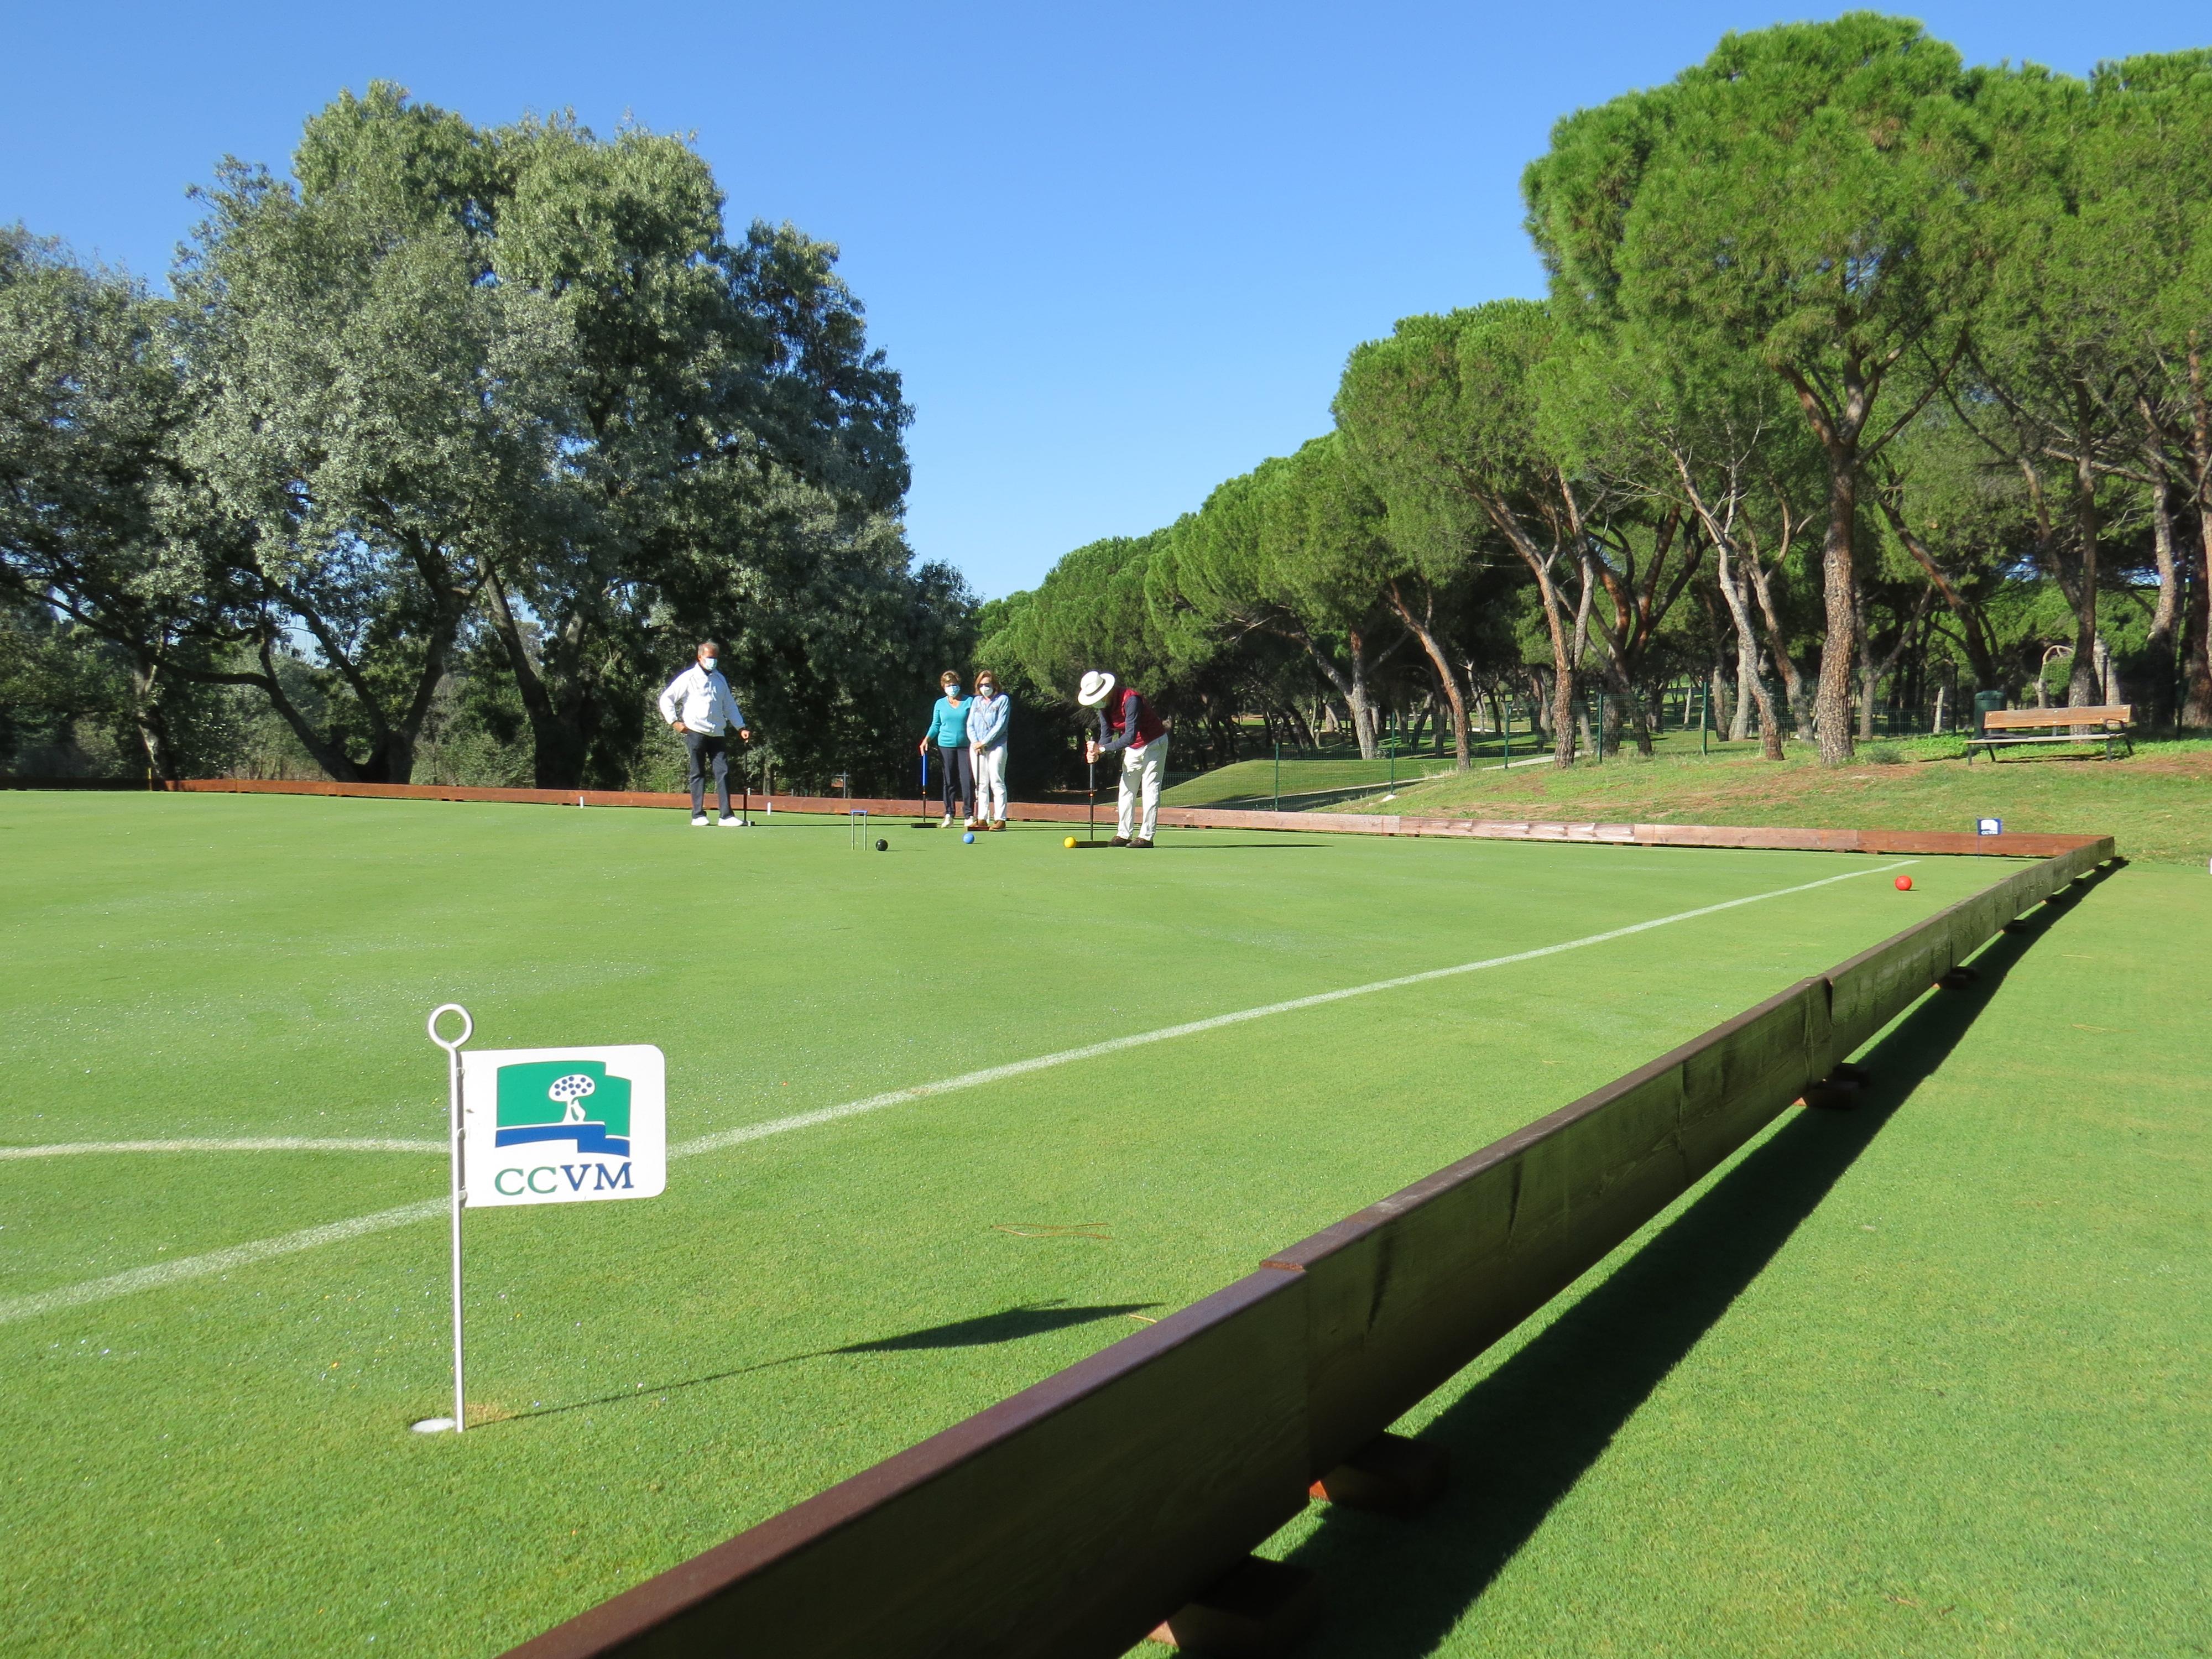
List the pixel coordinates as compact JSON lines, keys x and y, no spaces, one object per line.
{"x":1070,"y":841}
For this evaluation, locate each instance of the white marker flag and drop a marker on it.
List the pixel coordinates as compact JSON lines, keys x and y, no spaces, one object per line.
{"x":563,"y":1126}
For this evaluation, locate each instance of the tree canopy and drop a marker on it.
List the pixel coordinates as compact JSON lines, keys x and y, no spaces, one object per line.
{"x":1865,"y":379}
{"x":505,"y":403}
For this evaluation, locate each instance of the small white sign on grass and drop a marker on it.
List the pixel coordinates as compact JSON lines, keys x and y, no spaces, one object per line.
{"x":563,"y":1126}
{"x":544,"y":1126}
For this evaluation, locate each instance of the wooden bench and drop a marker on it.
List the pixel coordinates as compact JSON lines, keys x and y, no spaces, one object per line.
{"x":2004,"y":727}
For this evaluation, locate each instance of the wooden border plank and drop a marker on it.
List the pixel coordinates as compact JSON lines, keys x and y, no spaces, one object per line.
{"x":1410,"y":1290}
{"x":1068,"y":1519}
{"x":2011,"y":844}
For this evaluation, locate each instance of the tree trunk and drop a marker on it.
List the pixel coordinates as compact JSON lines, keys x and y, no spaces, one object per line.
{"x":557,"y":751}
{"x":1567,"y":677}
{"x":2197,"y":708}
{"x":1640,"y":722}
{"x":1363,"y":721}
{"x":1785,"y":665}
{"x":1351,"y":687}
{"x":1831,"y":703}
{"x":1748,"y":679}
{"x":330,"y":756}
{"x":2081,"y":687}
{"x":147,"y":718}
{"x":1565,"y":662}
{"x":1973,"y":633}
{"x":2158,"y":647}
{"x":1419,"y":628}
{"x":2197,"y":692}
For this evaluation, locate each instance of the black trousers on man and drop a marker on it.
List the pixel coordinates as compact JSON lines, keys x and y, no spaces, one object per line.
{"x":958,"y":766}
{"x":705,"y":746}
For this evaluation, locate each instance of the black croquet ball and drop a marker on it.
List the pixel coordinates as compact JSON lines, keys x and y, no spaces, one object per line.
{"x":883,"y":847}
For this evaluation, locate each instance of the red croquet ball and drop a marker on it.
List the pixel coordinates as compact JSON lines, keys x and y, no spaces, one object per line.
{"x":1905,"y":884}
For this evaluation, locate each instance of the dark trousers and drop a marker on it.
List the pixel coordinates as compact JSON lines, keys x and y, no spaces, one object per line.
{"x":958,"y":766}
{"x":704,"y":747}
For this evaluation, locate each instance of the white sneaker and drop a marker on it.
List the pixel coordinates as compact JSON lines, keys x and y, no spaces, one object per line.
{"x":729,"y":821}
{"x":698,"y":820}
{"x":947,"y":824}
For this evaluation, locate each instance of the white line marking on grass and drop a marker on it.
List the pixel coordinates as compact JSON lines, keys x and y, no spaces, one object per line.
{"x":739,"y":1137}
{"x":239,"y":1255}
{"x":215,"y":1261}
{"x":244,"y":1144}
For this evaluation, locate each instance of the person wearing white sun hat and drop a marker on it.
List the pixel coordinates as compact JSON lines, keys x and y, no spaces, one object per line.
{"x":1128,"y":725}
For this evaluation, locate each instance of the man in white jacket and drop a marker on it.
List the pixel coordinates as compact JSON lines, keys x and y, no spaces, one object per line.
{"x":698,"y":704}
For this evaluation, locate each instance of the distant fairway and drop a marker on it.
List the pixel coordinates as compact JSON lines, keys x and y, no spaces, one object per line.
{"x":221,"y":1459}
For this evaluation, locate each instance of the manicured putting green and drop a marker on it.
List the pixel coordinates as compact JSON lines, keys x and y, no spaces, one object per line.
{"x":223,"y":1458}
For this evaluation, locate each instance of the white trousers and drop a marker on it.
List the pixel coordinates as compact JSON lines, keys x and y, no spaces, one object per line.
{"x":991,"y":783}
{"x":1142,"y":771}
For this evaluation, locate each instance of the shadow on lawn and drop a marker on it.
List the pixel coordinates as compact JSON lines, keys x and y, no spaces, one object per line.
{"x":1008,"y":1325}
{"x":1521,"y":1438}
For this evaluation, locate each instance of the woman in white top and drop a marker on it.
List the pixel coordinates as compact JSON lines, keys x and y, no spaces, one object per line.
{"x":987,"y":736}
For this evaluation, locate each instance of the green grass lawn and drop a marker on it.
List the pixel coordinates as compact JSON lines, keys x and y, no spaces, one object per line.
{"x":1931,"y":1378}
{"x":1252,"y":784}
{"x":223,"y":1461}
{"x":2159,"y":803}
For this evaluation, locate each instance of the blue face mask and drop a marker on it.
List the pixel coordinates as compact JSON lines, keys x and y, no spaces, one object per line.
{"x":953,"y":690}
{"x":707,"y":663}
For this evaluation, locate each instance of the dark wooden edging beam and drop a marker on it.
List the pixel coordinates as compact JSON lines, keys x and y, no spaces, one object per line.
{"x":1196,"y":817}
{"x":1070,"y":1518}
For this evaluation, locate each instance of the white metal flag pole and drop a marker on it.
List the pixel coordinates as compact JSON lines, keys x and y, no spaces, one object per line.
{"x":432,"y":1425}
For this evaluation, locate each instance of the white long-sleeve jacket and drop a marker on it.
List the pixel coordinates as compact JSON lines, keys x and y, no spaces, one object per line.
{"x":702,"y":702}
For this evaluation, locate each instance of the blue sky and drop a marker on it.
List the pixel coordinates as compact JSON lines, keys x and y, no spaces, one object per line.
{"x":1118,"y":252}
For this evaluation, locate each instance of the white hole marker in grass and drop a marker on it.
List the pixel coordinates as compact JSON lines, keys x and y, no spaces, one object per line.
{"x":459,"y":1420}
{"x":604,"y":1108}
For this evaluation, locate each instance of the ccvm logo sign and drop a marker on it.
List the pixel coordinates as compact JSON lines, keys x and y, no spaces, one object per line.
{"x":563,"y":1126}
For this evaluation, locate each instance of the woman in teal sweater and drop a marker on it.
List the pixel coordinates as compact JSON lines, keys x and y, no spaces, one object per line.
{"x":948,"y":730}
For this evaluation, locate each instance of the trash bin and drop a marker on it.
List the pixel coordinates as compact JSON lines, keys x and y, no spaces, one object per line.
{"x":1986,"y":702}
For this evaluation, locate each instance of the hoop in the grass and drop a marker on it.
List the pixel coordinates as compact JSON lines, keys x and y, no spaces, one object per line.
{"x":442,"y":1425}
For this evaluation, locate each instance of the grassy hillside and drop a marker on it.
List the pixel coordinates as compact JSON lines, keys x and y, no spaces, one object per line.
{"x":2159,"y":803}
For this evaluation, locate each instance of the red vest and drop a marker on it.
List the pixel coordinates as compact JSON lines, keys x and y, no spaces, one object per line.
{"x":1148,"y":723}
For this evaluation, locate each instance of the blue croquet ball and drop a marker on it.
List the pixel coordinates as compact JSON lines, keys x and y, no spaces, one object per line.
{"x":969,"y":837}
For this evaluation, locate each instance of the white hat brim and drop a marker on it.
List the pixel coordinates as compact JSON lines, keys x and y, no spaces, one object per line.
{"x":1092,"y":698}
